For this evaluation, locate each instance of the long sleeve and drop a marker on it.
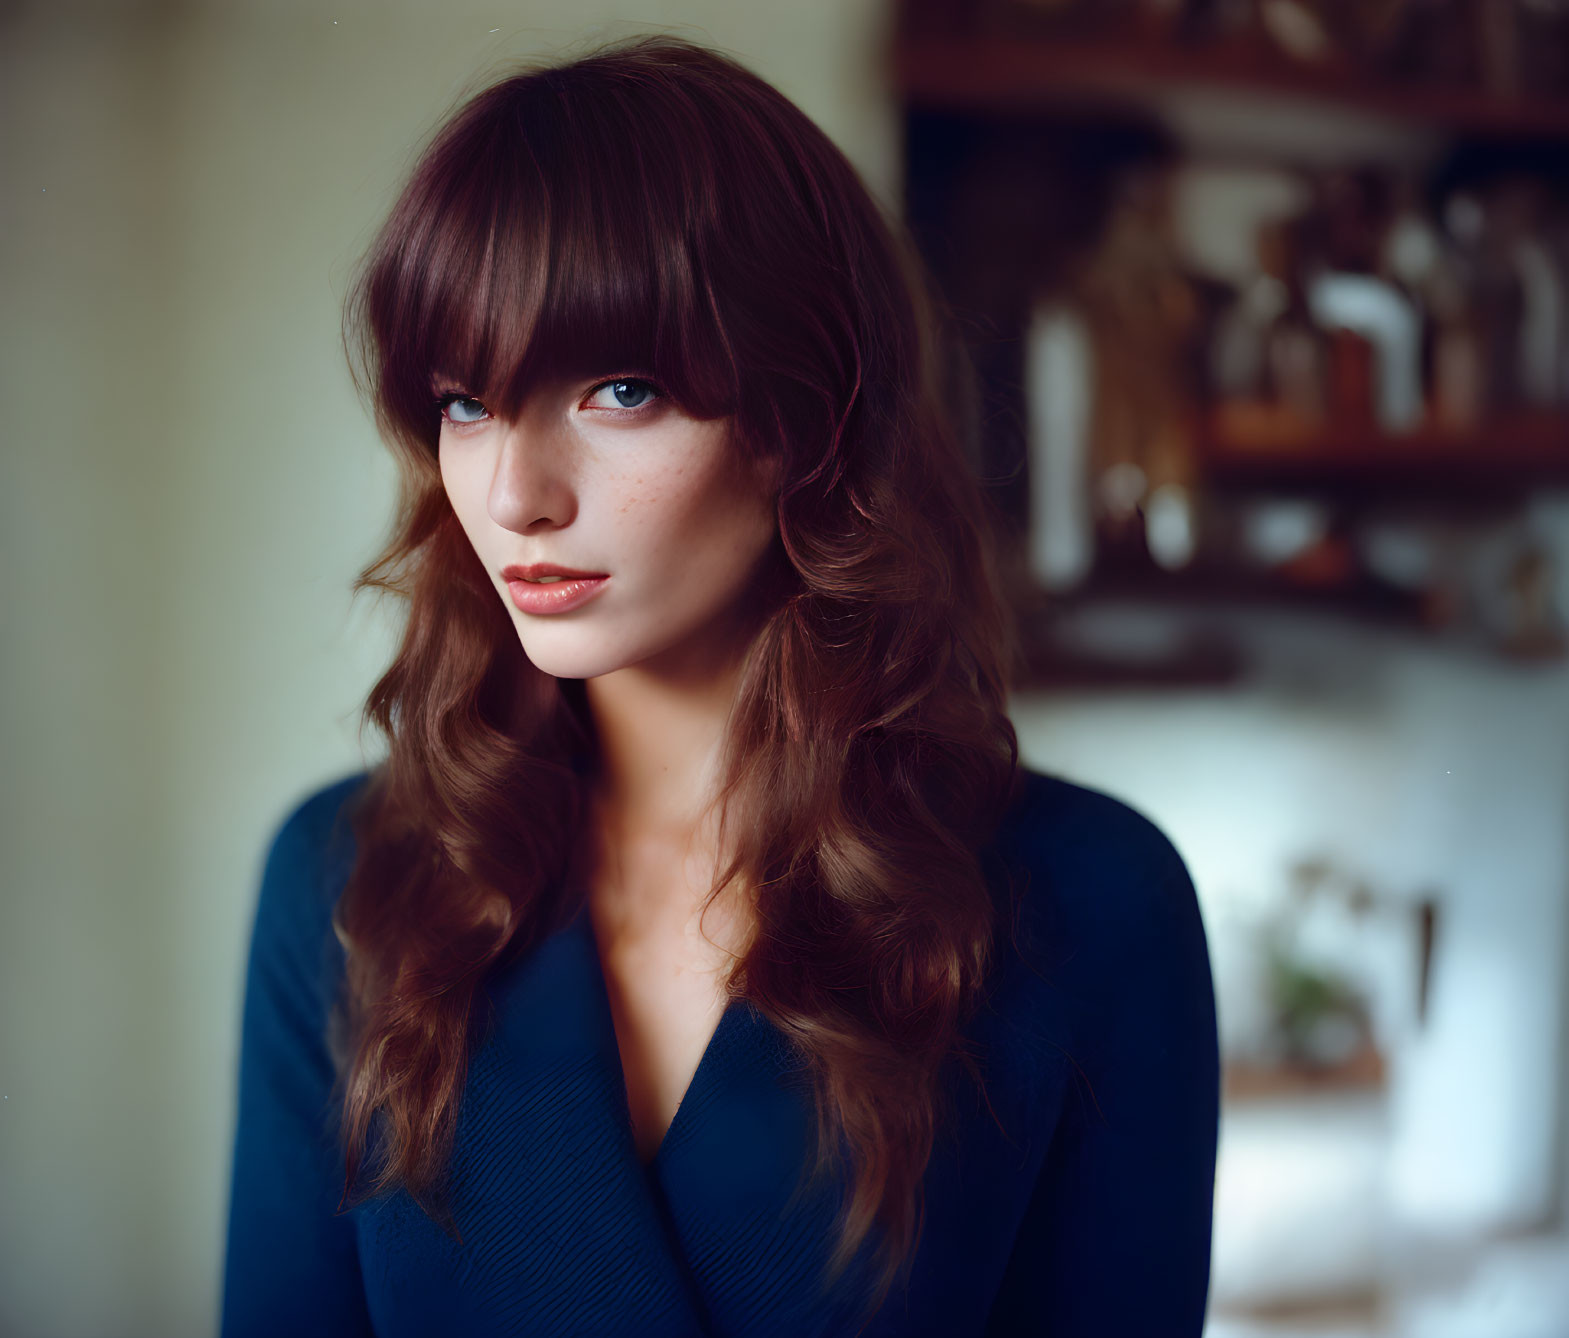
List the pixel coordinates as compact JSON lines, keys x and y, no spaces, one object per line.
{"x":1116,"y":1236}
{"x":291,"y":1265}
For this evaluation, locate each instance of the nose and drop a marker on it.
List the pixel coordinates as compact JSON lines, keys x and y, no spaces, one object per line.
{"x":532,"y":487}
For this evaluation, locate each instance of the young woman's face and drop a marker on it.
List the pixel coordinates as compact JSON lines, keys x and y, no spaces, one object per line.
{"x":609,"y":477}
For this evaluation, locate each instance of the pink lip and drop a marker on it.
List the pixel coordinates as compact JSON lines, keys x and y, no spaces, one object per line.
{"x":554,"y":596}
{"x":534,"y":570}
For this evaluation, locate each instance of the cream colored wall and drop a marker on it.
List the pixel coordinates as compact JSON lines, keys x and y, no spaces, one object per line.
{"x":85,"y":943}
{"x":189,"y":486}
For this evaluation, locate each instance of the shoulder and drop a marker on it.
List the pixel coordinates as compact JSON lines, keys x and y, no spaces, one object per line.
{"x":1103,"y":922}
{"x":309,"y":856}
{"x":1085,"y":860}
{"x":1108,"y":1031}
{"x":312,"y":848}
{"x":294,"y":966}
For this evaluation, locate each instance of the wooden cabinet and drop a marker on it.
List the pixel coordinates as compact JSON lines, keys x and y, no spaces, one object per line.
{"x":1027,"y":126}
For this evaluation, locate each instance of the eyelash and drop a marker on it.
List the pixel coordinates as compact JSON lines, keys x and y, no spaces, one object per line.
{"x":450,"y":396}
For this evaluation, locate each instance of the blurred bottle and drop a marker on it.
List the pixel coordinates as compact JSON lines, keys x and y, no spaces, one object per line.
{"x":1376,"y":331}
{"x":1376,"y":350}
{"x":1353,"y":377}
{"x":1171,"y":525}
{"x":1486,"y":238}
{"x":1412,"y":247}
{"x":1059,"y":381}
{"x":1519,"y":219}
{"x":1411,"y":257}
{"x":1237,"y":350}
{"x":1459,"y":390}
{"x":1144,"y":315}
{"x":1459,"y":379}
{"x":1296,"y":350}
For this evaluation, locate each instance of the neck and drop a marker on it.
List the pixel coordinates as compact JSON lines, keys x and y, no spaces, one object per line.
{"x":652,"y":842}
{"x":661,"y":725}
{"x":660,"y":743}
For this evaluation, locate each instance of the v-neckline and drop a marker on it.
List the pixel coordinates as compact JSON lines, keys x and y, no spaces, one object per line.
{"x":582,"y":923}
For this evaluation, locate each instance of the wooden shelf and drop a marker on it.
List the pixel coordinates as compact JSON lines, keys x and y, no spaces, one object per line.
{"x":1366,"y":598}
{"x":1002,"y":202}
{"x":1197,"y":651}
{"x":1199,"y":660}
{"x":1243,"y":1081}
{"x":1502,"y":461}
{"x":993,"y":73}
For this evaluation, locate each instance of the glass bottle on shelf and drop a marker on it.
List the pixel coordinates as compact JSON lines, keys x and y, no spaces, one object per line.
{"x":1485,"y":228}
{"x":1459,"y":376}
{"x":1296,"y":351}
{"x":1375,"y":330}
{"x":1059,"y":380}
{"x":1458,"y":390}
{"x":1536,"y":286}
{"x":1144,"y":316}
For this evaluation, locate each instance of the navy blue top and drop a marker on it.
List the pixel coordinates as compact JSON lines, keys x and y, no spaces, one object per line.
{"x":1087,"y":1213}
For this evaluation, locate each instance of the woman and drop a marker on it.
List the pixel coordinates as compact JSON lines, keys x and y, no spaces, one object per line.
{"x":700,"y":960}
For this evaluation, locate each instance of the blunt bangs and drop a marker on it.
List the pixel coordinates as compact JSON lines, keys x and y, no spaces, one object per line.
{"x":541,"y":238}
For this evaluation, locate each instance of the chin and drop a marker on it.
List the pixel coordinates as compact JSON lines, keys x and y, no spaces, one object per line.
{"x":590,"y":658}
{"x":572,"y":664}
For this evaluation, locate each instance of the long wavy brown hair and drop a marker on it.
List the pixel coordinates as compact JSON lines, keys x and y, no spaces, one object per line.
{"x":656,"y":205}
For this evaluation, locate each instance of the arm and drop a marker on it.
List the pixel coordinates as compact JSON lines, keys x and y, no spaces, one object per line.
{"x":1116,"y":1235}
{"x":291,"y":1266}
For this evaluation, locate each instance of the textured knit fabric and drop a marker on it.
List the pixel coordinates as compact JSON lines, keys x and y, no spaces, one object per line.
{"x":1076,"y":1204}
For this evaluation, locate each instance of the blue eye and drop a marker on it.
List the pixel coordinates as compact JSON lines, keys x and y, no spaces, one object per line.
{"x":446,"y":403}
{"x":627,"y":392}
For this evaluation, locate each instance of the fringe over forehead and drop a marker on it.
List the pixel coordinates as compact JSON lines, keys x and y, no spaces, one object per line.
{"x":562,"y":225}
{"x":652,"y":209}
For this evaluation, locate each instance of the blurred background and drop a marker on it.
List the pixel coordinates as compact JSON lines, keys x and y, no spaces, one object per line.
{"x":1268,"y":308}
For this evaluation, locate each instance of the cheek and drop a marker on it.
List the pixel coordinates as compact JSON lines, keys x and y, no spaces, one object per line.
{"x":465,"y":495}
{"x":449,"y":482}
{"x":691,"y":515}
{"x":651,"y":507}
